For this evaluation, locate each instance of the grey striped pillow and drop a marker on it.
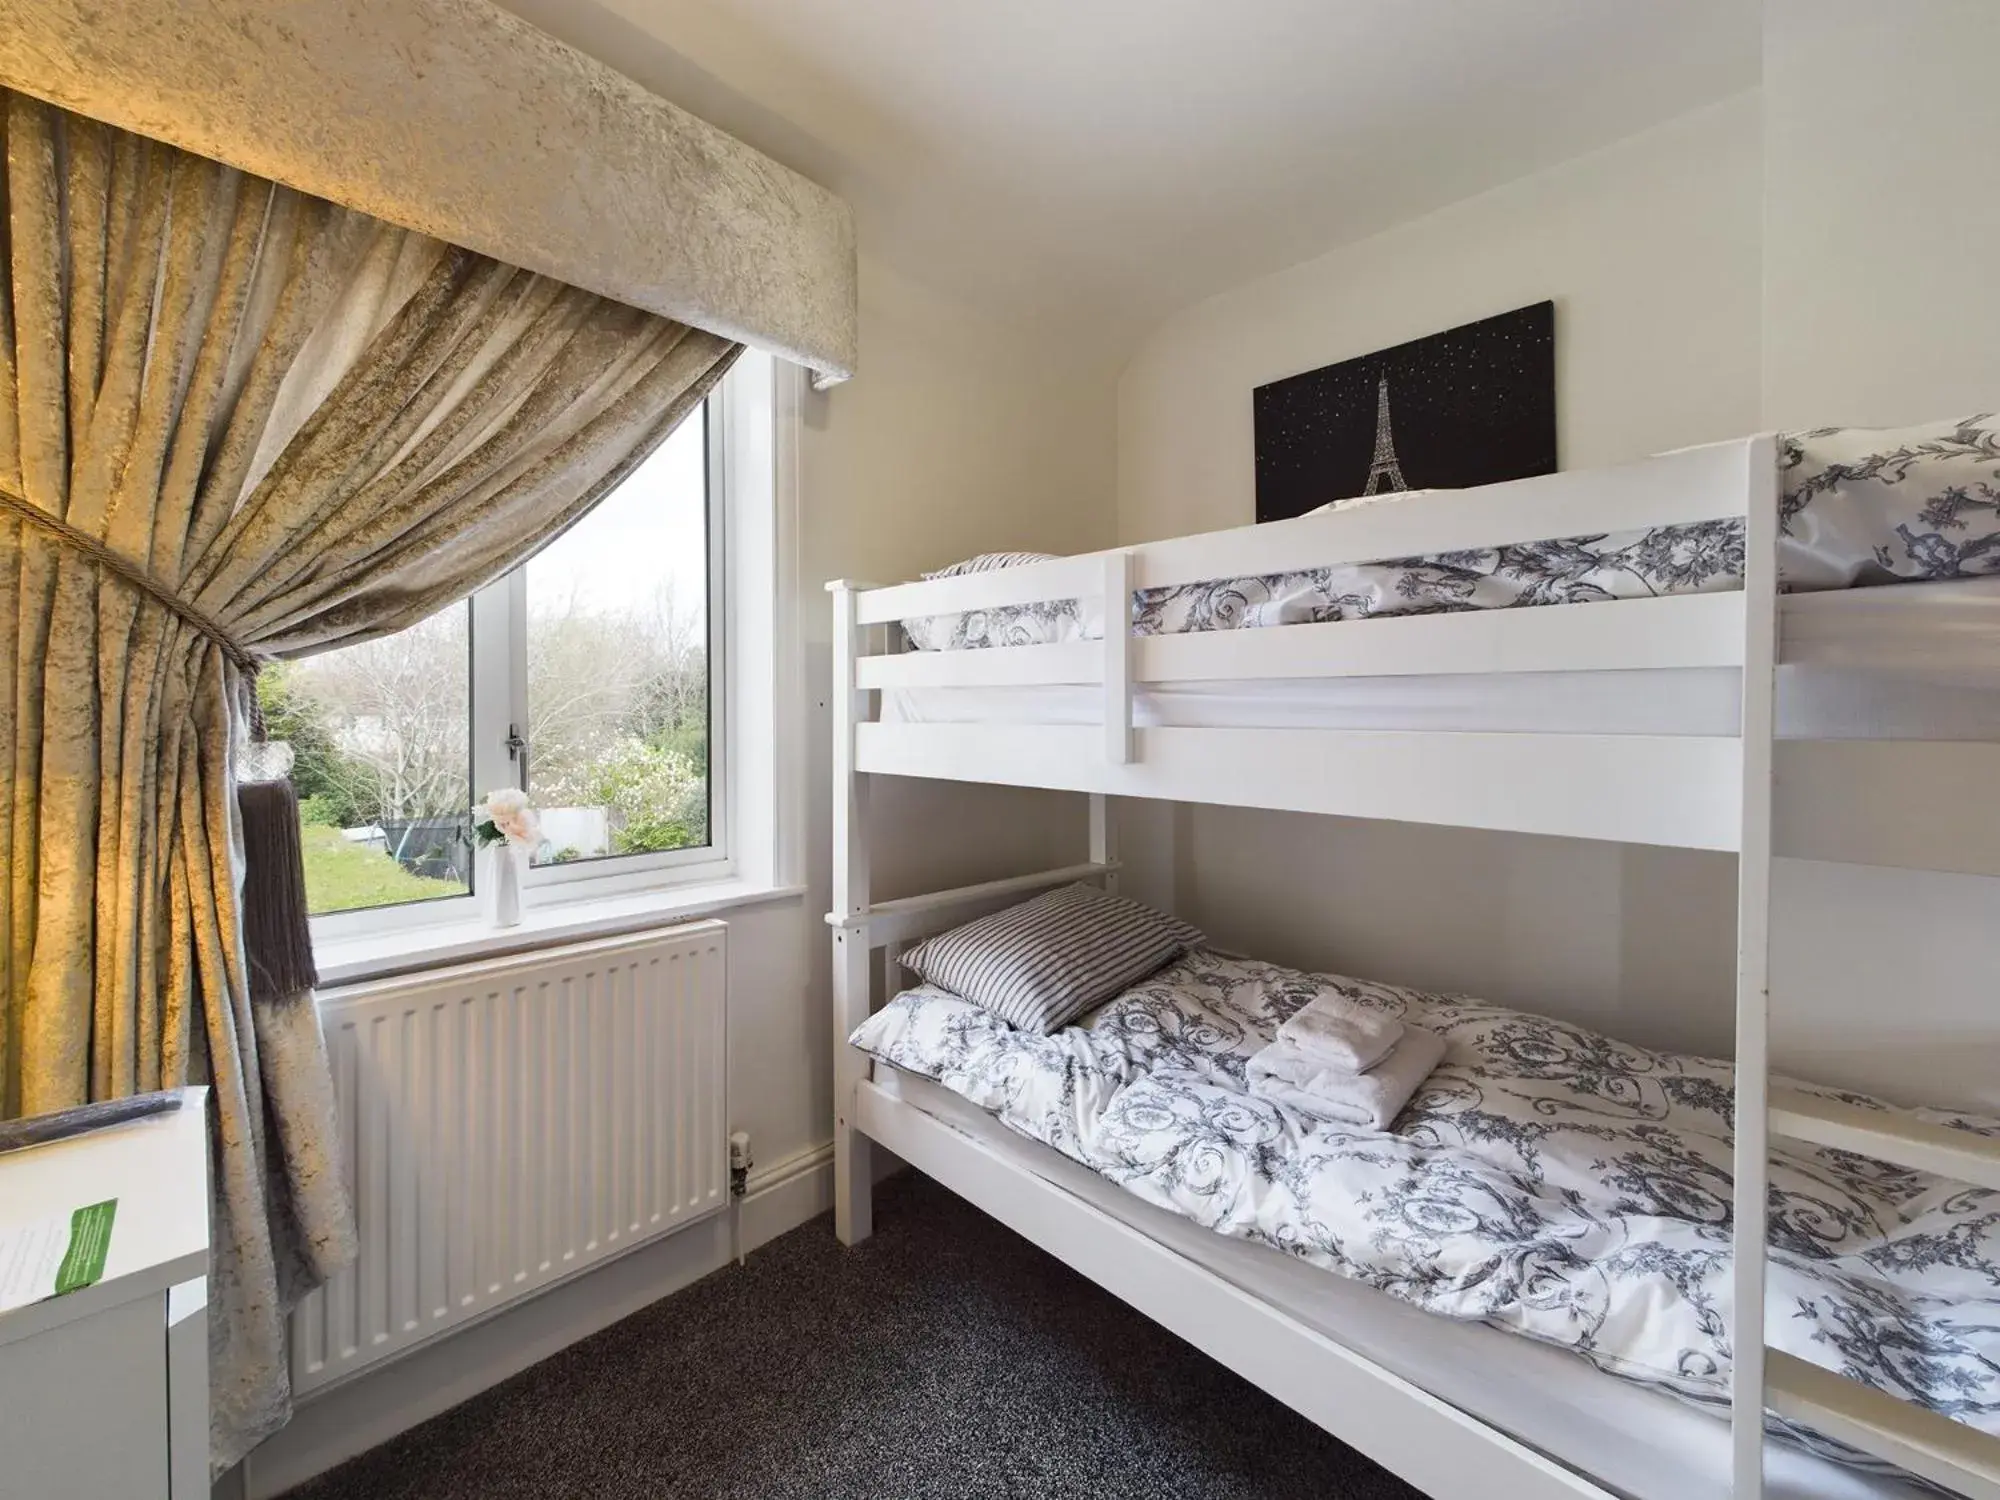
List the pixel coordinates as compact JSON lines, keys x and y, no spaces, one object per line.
{"x":1039,"y":965}
{"x":989,"y":562}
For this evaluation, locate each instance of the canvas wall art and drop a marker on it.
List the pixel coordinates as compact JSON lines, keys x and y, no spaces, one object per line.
{"x":1472,"y":405}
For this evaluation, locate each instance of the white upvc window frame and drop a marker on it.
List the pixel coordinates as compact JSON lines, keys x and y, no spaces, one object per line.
{"x":754,"y":806}
{"x":500,"y":708}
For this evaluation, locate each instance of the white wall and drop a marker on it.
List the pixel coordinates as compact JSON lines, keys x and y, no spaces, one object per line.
{"x":1881,"y":122}
{"x":1881,"y":306}
{"x":1650,"y":249}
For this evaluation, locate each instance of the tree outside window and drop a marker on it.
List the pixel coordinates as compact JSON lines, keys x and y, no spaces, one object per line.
{"x":612,"y":675}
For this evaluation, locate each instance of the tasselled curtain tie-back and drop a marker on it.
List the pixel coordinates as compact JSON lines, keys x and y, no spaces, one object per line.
{"x":246,"y":661}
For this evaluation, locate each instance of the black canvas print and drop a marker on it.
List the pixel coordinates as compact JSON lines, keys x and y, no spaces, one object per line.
{"x":1472,"y":405}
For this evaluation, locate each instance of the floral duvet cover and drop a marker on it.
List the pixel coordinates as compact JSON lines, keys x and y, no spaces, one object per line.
{"x":1546,"y":1179}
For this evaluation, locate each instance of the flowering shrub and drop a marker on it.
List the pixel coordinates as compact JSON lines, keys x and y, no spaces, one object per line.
{"x":657,"y":797}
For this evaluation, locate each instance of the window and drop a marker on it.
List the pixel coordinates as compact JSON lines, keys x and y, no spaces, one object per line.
{"x":380,"y":737}
{"x":588,"y":676}
{"x":616,"y":681}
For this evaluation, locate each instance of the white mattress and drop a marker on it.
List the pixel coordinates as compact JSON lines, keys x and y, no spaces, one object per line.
{"x":1632,"y":1440}
{"x":1862,"y":663}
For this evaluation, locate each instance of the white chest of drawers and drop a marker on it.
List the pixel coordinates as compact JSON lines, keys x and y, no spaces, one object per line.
{"x":104,"y":1392}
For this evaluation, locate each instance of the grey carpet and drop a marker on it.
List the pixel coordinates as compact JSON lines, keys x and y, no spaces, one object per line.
{"x":945,"y":1357}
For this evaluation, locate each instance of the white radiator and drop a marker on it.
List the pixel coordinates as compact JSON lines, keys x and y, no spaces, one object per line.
{"x":509,"y":1123}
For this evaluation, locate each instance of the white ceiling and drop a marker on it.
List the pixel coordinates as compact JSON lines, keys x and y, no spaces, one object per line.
{"x":1096,"y":164}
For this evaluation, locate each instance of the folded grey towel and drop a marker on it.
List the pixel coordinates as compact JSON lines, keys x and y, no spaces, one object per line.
{"x":1341,"y":1034}
{"x":1371,"y":1100}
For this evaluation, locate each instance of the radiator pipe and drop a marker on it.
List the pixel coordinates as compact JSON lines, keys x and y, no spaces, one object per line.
{"x":739,"y":1185}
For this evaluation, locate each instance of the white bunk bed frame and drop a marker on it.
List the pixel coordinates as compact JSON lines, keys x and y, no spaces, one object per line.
{"x":1743,"y":793}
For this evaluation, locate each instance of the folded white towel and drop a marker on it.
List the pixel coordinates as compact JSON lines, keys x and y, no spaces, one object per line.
{"x":1341,"y":1034}
{"x":1285,"y":1075}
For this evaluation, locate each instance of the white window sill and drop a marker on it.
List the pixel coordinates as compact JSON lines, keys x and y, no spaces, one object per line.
{"x":434,"y":945}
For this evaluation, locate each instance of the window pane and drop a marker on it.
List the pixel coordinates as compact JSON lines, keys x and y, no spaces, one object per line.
{"x":380,"y":738}
{"x":618,"y":665}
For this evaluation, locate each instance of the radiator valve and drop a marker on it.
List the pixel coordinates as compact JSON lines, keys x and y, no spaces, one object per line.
{"x":739,"y":1163}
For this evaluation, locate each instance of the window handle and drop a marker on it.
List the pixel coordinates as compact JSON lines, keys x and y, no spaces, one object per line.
{"x":517,"y":752}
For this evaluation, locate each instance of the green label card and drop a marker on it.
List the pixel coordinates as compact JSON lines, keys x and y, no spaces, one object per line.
{"x":89,"y":1243}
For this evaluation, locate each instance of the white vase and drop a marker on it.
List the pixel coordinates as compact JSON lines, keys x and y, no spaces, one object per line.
{"x":501,"y":868}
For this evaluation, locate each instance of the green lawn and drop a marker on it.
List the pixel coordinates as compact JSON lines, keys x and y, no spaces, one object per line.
{"x":341,"y":875}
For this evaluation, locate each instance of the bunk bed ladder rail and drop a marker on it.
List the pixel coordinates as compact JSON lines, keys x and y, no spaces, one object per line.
{"x":1758,"y":732}
{"x":1961,"y":1458}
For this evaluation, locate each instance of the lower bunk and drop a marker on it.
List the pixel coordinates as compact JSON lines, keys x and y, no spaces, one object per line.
{"x":1561,"y":1200}
{"x":1421,"y":1395}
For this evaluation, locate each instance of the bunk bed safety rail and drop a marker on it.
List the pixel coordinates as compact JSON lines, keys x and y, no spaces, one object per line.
{"x":894,"y":924}
{"x":1080,"y":577}
{"x":1692,"y":630}
{"x":1679,"y":630}
{"x":1696,"y":484}
{"x":1102,"y":576}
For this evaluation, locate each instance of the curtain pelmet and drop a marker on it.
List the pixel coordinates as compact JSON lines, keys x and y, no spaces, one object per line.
{"x":317,"y":429}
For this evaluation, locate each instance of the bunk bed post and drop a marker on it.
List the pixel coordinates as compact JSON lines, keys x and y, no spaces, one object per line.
{"x":1118,"y":657}
{"x":1117,"y":705}
{"x":853,"y":1174}
{"x":1104,"y":837}
{"x":1753,"y":965}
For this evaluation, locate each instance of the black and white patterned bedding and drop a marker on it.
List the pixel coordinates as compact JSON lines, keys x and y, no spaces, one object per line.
{"x":1547,"y":1180}
{"x":1861,"y":506}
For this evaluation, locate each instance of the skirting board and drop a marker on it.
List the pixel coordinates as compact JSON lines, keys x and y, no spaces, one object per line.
{"x":352,"y":1418}
{"x":785,"y":1195}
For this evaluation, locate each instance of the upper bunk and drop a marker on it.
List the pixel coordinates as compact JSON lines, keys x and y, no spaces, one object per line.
{"x":1634,"y":719}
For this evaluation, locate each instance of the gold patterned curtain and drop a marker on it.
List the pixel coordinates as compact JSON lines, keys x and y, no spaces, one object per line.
{"x":237,"y":422}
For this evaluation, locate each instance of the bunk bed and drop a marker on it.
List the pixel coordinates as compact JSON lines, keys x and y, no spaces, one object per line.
{"x":1467,"y":716}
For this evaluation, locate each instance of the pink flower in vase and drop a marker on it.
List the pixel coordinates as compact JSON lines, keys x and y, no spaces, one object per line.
{"x":512,"y":817}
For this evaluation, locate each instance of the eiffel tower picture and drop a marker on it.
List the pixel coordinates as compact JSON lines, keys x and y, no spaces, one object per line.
{"x":1384,"y":466}
{"x":1472,"y":405}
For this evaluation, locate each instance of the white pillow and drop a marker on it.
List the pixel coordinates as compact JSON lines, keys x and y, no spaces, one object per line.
{"x":1355,"y":502}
